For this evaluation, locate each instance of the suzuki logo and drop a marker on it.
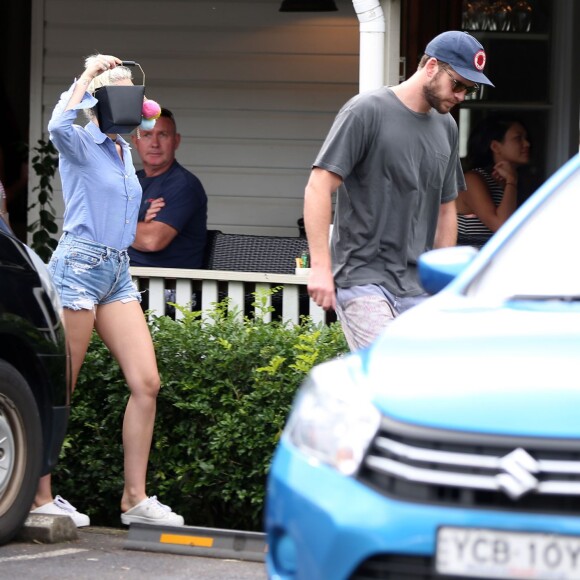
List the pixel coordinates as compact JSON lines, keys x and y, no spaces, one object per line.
{"x":517,"y":478}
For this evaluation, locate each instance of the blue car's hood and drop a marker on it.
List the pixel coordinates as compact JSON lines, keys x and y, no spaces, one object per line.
{"x":497,"y":370}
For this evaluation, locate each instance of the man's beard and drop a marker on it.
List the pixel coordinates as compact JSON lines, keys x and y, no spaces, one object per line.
{"x":433,"y":98}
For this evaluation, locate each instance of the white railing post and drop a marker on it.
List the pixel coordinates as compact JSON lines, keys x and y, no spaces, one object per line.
{"x":157,"y":295}
{"x":209,"y":294}
{"x":183,"y":295}
{"x":236,"y":294}
{"x":290,"y":302}
{"x":267,"y":316}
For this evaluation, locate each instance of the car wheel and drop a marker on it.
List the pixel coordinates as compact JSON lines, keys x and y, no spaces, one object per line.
{"x":20,"y":450}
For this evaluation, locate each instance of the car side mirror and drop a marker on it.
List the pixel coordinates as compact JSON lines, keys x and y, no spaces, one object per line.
{"x":438,"y":268}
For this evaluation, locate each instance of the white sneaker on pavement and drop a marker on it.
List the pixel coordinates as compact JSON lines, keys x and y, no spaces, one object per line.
{"x":151,"y":511}
{"x":60,"y":507}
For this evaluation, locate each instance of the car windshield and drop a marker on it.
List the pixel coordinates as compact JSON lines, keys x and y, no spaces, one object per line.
{"x":540,"y":260}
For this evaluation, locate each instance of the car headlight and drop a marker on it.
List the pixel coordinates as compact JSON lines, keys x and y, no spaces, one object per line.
{"x":333,"y":419}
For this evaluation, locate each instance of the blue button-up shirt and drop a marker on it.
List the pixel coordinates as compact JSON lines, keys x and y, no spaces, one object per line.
{"x":101,"y":192}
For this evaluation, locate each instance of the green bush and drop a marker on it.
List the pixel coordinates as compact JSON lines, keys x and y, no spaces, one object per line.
{"x":227,"y":387}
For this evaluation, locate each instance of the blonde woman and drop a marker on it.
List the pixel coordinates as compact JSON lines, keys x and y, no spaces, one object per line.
{"x":90,"y":268}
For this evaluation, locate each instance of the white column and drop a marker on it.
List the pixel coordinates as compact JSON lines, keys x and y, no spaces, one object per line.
{"x":372,"y":44}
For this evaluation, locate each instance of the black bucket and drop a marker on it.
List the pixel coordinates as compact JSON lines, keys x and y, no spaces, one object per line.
{"x":120,"y":107}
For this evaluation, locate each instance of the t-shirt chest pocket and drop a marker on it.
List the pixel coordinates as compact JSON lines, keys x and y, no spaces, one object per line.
{"x":436,"y":167}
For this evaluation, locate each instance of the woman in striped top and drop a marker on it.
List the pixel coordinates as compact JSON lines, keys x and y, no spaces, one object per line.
{"x":496,"y":149}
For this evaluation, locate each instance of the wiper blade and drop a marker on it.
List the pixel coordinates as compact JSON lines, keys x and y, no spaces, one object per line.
{"x":544,"y":297}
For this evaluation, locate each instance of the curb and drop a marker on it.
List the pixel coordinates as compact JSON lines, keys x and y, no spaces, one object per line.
{"x":48,"y":529}
{"x":198,"y":541}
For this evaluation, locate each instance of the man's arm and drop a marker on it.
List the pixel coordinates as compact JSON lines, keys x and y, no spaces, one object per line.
{"x":446,"y":233}
{"x":153,"y":236}
{"x":317,"y":217}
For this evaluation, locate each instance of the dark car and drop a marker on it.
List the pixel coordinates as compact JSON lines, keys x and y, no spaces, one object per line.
{"x":34,"y":379}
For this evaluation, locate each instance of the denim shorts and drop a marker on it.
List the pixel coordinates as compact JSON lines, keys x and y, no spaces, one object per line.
{"x":87,"y":274}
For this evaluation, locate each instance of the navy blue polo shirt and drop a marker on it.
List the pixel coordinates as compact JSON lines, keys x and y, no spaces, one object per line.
{"x":185,"y":210}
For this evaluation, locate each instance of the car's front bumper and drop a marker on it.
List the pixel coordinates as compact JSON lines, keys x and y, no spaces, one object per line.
{"x":322,"y":525}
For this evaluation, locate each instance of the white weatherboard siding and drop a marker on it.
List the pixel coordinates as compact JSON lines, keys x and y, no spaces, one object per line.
{"x":254,"y":90}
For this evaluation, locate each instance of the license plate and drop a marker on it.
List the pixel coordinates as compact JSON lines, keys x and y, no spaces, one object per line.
{"x":477,"y":552}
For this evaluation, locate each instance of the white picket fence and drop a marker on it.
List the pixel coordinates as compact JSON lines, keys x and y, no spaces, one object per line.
{"x":210,"y":286}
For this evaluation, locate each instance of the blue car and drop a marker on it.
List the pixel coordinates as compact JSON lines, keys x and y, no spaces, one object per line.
{"x":450,"y":448}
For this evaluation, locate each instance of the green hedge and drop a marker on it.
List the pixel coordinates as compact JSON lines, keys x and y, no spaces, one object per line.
{"x":227,"y":386}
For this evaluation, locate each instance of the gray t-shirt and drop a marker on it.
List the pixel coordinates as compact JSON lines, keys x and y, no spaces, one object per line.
{"x":397,"y":167}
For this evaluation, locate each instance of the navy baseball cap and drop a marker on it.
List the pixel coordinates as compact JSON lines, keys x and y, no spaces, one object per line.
{"x":462,"y":52}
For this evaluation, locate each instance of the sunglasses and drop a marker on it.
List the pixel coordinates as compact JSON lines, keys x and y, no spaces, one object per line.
{"x":459,"y":87}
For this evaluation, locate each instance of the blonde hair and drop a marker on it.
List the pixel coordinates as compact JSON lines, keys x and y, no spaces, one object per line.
{"x":108,"y":77}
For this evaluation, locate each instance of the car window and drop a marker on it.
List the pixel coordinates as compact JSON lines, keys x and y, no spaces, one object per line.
{"x":540,"y":260}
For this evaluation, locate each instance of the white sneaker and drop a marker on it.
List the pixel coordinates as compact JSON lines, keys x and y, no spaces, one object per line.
{"x":151,"y":511}
{"x":61,"y":507}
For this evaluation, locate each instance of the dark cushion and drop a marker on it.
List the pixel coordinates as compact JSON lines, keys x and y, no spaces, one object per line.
{"x":249,"y":253}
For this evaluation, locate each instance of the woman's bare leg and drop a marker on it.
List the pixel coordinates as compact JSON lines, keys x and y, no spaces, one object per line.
{"x":123,"y":328}
{"x":79,"y":327}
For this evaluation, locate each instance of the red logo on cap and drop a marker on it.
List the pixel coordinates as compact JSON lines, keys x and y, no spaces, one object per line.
{"x":479,"y":60}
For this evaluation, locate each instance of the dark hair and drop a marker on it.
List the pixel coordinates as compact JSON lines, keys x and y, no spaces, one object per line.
{"x":493,"y":128}
{"x":168,"y":115}
{"x":423,"y":61}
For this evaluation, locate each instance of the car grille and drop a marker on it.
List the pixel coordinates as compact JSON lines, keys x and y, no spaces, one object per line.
{"x":396,"y":567}
{"x":473,"y":470}
{"x":400,"y":567}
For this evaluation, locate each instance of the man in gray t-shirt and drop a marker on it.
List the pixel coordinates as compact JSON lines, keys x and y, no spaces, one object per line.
{"x":392,"y":154}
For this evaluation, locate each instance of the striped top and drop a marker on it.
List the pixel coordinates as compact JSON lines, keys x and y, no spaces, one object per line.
{"x":471,"y":231}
